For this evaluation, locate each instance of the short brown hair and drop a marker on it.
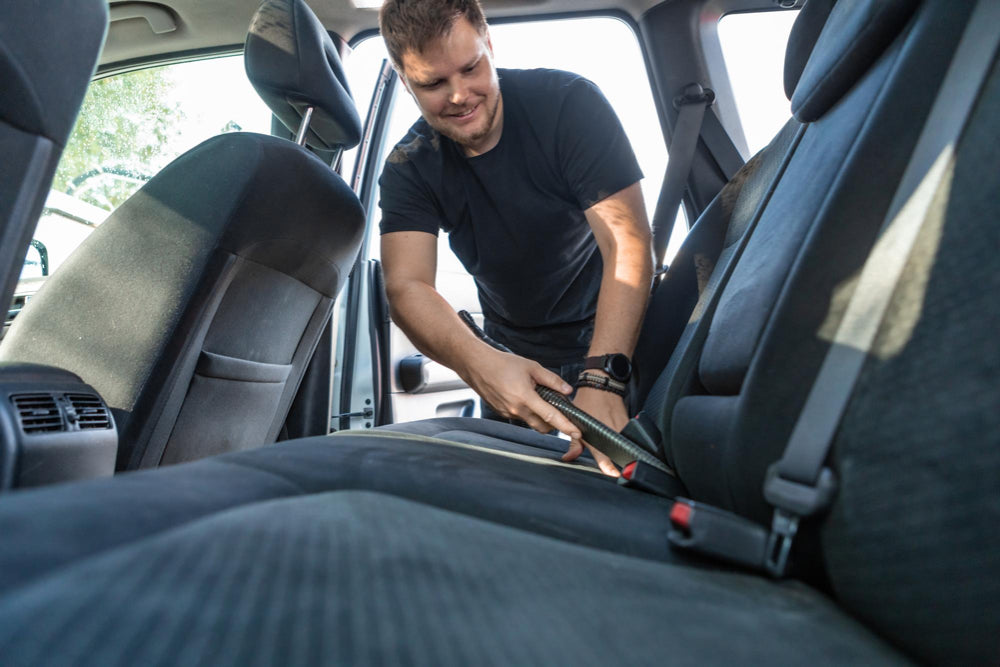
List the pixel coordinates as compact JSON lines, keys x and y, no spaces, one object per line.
{"x":413,"y":24}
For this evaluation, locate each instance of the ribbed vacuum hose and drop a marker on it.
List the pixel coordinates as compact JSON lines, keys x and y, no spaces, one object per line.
{"x":599,"y":435}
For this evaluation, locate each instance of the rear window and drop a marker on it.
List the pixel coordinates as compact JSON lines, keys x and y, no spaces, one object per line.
{"x":753,"y":47}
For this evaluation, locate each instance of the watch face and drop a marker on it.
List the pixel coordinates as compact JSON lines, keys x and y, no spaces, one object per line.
{"x":619,"y":367}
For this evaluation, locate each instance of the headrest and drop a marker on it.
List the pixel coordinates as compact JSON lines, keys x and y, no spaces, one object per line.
{"x":293,"y":64}
{"x":801,"y":41}
{"x":855,"y":35}
{"x":48,"y":52}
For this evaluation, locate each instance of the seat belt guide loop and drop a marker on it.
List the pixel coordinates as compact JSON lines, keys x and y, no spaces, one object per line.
{"x":799,"y":498}
{"x":694,"y":93}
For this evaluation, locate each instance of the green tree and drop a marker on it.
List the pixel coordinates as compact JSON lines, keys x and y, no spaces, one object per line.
{"x":125,"y":123}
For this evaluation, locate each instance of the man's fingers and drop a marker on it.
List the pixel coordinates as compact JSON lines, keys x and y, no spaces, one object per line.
{"x":553,"y":418}
{"x":574,"y":451}
{"x":546,"y":377}
{"x":604,"y":463}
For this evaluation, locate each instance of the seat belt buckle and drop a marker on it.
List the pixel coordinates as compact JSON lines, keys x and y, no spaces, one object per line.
{"x":644,"y":477}
{"x":784,"y":526}
{"x":714,"y":532}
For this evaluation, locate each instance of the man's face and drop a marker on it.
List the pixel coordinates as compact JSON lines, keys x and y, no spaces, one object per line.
{"x":455,"y":85}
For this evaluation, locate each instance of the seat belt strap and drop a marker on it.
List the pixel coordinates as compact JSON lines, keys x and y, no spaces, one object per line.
{"x":691,"y":105}
{"x":800,"y":484}
{"x":721,"y":146}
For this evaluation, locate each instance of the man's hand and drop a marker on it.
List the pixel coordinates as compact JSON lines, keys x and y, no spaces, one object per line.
{"x":605,"y":407}
{"x":507,"y":382}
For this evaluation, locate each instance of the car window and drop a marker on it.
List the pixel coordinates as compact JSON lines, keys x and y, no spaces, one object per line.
{"x":130,"y":126}
{"x":753,"y":47}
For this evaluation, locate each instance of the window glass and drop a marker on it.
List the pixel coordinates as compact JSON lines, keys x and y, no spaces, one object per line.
{"x":753,"y":47}
{"x":559,"y":44}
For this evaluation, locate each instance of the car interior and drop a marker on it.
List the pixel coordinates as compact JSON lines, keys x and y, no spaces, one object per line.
{"x":204,"y":456}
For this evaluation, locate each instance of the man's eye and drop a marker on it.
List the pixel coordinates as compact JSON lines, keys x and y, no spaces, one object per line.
{"x":471,"y":68}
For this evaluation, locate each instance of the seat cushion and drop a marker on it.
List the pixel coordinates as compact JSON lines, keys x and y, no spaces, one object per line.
{"x":364,"y":578}
{"x":488,"y":433}
{"x":56,"y":526}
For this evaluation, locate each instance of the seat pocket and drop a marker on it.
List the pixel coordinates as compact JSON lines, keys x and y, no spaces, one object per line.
{"x":229,"y":403}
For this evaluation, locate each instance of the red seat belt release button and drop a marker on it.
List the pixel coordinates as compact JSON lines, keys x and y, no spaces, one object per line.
{"x":680,"y":515}
{"x":629,"y":470}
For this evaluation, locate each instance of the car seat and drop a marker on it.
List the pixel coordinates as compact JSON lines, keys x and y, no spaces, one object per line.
{"x":195,"y":308}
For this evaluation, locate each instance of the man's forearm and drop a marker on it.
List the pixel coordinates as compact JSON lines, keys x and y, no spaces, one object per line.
{"x":623,"y":236}
{"x":621,"y":302}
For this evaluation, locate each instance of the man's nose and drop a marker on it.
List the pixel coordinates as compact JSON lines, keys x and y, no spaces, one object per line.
{"x":459,"y":93}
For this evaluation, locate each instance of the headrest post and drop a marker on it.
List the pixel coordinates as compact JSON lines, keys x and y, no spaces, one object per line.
{"x":300,"y":138}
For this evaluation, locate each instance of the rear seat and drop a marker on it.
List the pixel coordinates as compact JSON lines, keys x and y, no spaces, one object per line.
{"x":370,"y":573}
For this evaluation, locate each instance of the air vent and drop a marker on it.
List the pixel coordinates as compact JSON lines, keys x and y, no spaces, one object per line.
{"x":90,"y":411}
{"x":38,"y":413}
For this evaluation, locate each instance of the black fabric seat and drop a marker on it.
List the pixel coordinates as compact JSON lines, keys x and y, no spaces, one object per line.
{"x":195,"y":308}
{"x":494,"y":556}
{"x":363,"y":578}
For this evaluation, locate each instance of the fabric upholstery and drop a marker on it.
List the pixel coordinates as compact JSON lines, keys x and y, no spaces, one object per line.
{"x":747,"y":300}
{"x":204,"y":256}
{"x":362,"y":578}
{"x":857,"y":32}
{"x":796,"y":333}
{"x":293,"y":63}
{"x":574,"y":503}
{"x":912,"y":544}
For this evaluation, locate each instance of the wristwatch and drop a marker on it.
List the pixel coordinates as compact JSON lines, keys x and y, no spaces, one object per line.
{"x":617,"y":365}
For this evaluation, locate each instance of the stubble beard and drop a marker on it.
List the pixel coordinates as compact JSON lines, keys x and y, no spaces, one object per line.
{"x":471,"y":141}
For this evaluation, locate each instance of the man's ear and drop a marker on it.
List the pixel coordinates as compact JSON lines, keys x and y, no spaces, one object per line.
{"x":489,"y":43}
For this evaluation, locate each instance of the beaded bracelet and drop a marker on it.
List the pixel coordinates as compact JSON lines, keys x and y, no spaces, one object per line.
{"x":602,"y":382}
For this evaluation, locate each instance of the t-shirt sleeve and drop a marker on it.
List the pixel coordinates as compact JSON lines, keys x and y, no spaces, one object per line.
{"x":594,"y":152}
{"x":406,"y":205}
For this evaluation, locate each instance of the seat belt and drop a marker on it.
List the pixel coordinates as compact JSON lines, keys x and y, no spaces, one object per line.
{"x":691,"y":105}
{"x":721,"y":146}
{"x":800,"y":484}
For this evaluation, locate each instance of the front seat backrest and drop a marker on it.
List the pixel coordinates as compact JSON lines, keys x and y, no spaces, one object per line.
{"x":194,"y":309}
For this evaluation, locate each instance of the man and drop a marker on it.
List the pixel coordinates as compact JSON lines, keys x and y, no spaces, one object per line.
{"x":531,"y":175}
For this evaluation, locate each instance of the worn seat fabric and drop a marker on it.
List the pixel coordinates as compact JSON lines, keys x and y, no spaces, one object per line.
{"x":363,"y":578}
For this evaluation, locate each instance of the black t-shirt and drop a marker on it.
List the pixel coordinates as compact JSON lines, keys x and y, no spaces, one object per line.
{"x":515,"y":215}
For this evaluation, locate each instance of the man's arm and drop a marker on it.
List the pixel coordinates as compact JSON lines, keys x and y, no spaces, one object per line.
{"x":621,"y":229}
{"x":505,"y":381}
